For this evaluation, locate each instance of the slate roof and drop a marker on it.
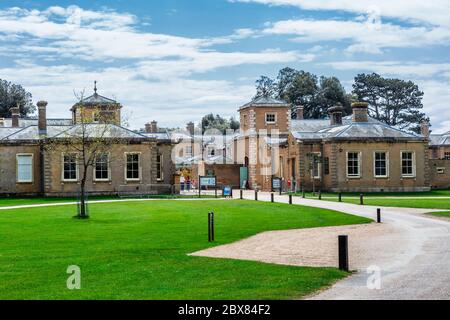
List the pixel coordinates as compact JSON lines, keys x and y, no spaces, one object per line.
{"x":97,"y":99}
{"x":440,"y":139}
{"x":265,"y":102}
{"x":25,"y":122}
{"x":358,"y":131}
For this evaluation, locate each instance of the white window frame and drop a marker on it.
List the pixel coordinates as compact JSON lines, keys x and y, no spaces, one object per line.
{"x":319,"y":166}
{"x":161,"y":167}
{"x":413,"y":175}
{"x":274,"y":114}
{"x":94,"y":171}
{"x":139,"y":167}
{"x":440,"y":170}
{"x":77,"y":170}
{"x":359,"y":165}
{"x":189,"y":153}
{"x":32,"y":167}
{"x":374,"y":164}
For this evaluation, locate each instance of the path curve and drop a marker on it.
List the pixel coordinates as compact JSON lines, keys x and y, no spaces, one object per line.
{"x":414,"y":266}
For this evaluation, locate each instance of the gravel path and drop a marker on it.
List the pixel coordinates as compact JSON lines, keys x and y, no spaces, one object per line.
{"x":411,"y":250}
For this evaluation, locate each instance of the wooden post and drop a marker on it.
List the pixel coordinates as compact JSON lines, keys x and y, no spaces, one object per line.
{"x":241,"y":194}
{"x":361,"y":199}
{"x":303,"y":193}
{"x":378,"y":215}
{"x":290,"y":199}
{"x":320,"y":194}
{"x":340,"y":196}
{"x":343,"y":253}
{"x":272,"y":197}
{"x":256,"y":195}
{"x":199,"y":188}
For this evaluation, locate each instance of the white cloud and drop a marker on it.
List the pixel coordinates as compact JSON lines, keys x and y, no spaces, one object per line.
{"x":395,"y":68}
{"x":434,"y":12}
{"x":367,"y":36}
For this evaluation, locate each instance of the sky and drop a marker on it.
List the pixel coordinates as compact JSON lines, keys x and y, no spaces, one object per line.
{"x":174,"y":61}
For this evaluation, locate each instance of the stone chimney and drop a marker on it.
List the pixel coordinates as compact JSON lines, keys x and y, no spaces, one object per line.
{"x":299,"y":111}
{"x":360,"y":111}
{"x":15,"y":114}
{"x":425,"y":128}
{"x":336,"y":115}
{"x":151,"y":127}
{"x":190,"y":128}
{"x":42,"y":117}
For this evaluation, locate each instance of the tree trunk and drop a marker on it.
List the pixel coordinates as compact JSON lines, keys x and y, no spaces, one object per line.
{"x":83,"y":213}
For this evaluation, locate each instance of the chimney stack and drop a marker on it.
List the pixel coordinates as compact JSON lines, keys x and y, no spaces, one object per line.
{"x":360,"y":111}
{"x":151,"y":127}
{"x":42,"y":120}
{"x":15,"y":113}
{"x":190,"y":128}
{"x":336,"y":115}
{"x":299,"y":111}
{"x":425,"y":128}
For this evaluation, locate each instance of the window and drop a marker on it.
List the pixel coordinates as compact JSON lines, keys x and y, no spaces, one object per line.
{"x":408,"y":164}
{"x":271,"y":118}
{"x":132,"y":169}
{"x":381,"y":164}
{"x":245,"y":120}
{"x":159,"y":167}
{"x":315,"y":165}
{"x":447,"y":155}
{"x":70,"y":168}
{"x":326,"y":165}
{"x":440,"y":170}
{"x":188,"y":151}
{"x":353,"y":164}
{"x":102,"y":167}
{"x":24,"y":168}
{"x":211,"y":151}
{"x":281,"y":171}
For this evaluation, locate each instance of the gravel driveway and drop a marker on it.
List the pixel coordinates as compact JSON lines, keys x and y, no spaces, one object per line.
{"x":411,"y":250}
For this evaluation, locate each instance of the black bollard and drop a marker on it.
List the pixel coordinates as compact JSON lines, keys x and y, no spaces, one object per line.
{"x":343,"y":253}
{"x":272,"y":197}
{"x":303,"y":193}
{"x":290,"y":199}
{"x":361,"y":199}
{"x":256,"y":195}
{"x":378,"y":215}
{"x":241,"y":194}
{"x":340,"y":196}
{"x":320,"y":195}
{"x":211,"y":226}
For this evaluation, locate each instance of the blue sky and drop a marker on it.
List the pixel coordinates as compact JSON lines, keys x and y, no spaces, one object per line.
{"x":174,"y":61}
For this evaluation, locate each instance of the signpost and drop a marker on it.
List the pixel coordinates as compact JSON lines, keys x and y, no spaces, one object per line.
{"x":276,"y":184}
{"x":227,"y":191}
{"x":207,"y":181}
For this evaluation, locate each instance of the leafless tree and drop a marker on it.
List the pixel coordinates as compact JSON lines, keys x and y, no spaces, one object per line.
{"x":88,"y":141}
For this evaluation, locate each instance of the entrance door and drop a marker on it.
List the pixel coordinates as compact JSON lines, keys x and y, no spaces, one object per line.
{"x":243,"y":176}
{"x":293,"y":175}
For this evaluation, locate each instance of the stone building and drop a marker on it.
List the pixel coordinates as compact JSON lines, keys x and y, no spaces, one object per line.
{"x":353,"y":153}
{"x":134,"y":162}
{"x":440,"y":160}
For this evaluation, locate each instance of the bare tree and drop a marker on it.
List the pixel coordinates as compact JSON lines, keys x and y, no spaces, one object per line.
{"x":89,"y":142}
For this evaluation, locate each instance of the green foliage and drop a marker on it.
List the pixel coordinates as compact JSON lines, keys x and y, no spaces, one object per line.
{"x":139,"y":250}
{"x":303,"y":88}
{"x":211,"y":122}
{"x":13,"y":95}
{"x":392,"y":101}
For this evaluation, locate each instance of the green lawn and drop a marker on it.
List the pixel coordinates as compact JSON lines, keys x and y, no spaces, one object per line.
{"x":442,"y":214}
{"x":392,"y":199}
{"x":18,"y":201}
{"x":138,"y":250}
